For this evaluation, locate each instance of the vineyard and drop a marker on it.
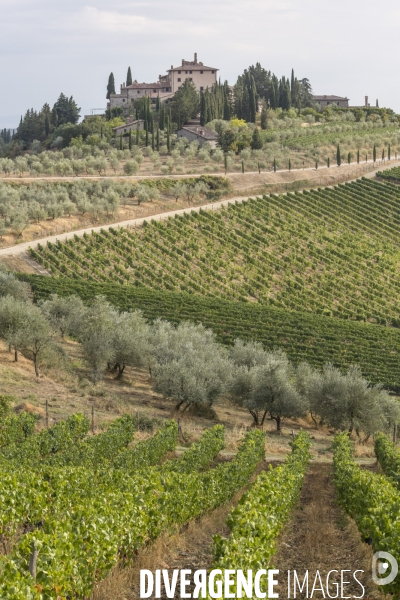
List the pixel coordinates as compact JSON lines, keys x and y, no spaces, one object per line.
{"x":80,"y":512}
{"x":370,"y":499}
{"x":313,"y":338}
{"x":392,"y":175}
{"x":328,"y":251}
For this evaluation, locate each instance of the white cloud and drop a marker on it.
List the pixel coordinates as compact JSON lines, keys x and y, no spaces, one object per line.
{"x":94,"y":19}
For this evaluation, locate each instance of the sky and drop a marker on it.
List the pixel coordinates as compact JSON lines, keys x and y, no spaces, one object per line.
{"x":344,"y":47}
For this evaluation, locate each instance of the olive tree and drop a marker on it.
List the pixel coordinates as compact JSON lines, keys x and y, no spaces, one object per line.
{"x":10,"y":286}
{"x":131,"y":341}
{"x":12,"y":316}
{"x":189,"y":366}
{"x":349,"y":402}
{"x":64,"y":314}
{"x":264,"y":383}
{"x":96,"y":334}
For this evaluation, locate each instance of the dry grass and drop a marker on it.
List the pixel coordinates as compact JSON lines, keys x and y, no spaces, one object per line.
{"x":321,"y":537}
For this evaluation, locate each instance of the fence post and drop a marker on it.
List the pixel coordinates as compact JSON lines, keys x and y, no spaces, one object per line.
{"x":33,"y":561}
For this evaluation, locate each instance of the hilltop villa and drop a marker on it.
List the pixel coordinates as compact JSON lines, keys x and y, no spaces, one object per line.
{"x":203,"y":77}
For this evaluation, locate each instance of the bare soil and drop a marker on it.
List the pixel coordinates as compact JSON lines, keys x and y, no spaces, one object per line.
{"x":320,"y":537}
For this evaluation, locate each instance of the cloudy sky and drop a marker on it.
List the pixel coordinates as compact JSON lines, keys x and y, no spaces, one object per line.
{"x":345,"y":47}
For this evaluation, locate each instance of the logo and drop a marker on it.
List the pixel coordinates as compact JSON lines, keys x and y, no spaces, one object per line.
{"x":379,"y":568}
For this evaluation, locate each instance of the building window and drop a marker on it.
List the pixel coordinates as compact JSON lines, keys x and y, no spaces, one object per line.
{"x":190,"y":78}
{"x":179,"y":72}
{"x":124,"y":130}
{"x":186,"y":73}
{"x":179,"y":79}
{"x":201,"y":72}
{"x":213,"y":72}
{"x":138,"y":92}
{"x":155,"y":91}
{"x":123,"y":100}
{"x":190,"y":72}
{"x":202,"y":89}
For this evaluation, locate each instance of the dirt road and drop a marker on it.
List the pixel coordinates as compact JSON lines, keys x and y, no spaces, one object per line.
{"x":23,"y":247}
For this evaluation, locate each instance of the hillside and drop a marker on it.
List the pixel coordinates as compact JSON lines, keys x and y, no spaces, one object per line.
{"x":314,"y":338}
{"x":331,"y":251}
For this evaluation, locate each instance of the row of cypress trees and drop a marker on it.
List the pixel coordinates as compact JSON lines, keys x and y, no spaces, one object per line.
{"x":215,"y":103}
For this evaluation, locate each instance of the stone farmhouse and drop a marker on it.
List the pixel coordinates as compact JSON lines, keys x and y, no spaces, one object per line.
{"x":324,"y":101}
{"x":203,"y":77}
{"x":199,"y":134}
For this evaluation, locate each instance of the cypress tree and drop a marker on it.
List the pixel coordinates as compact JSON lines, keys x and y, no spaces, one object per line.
{"x":389,"y":152}
{"x":153,"y":142}
{"x":158,"y":139}
{"x":264,"y":118}
{"x":242,"y":166}
{"x":137,"y":133}
{"x":274,"y":165}
{"x":120,"y":142}
{"x":147,"y":136}
{"x":256,"y":141}
{"x":292,"y":81}
{"x":202,"y":109}
{"x":383,"y":154}
{"x":358,"y":156}
{"x":129,"y":77}
{"x":338,"y":156}
{"x":110,"y":86}
{"x":168,"y":136}
{"x":227,"y":105}
{"x":226,"y":163}
{"x":329,"y":162}
{"x":374,"y":153}
{"x":158,"y":103}
{"x":316,"y":165}
{"x":349,"y":158}
{"x":47,"y":125}
{"x":130,"y":139}
{"x":290,"y":165}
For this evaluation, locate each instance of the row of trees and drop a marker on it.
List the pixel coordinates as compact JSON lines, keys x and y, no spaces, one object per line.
{"x":37,"y":125}
{"x":188,"y":365}
{"x":257,"y":84}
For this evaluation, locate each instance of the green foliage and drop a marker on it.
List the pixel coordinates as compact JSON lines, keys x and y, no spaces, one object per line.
{"x":371,"y":500}
{"x":110,"y":86}
{"x":391,"y":175}
{"x":113,"y":515}
{"x":15,"y":429}
{"x":185,"y":103}
{"x":259,"y":516}
{"x":388,"y":456}
{"x":200,"y":454}
{"x":149,"y":452}
{"x":314,"y":338}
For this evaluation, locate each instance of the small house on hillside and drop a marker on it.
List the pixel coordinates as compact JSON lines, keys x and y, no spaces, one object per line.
{"x":199,"y":133}
{"x":324,"y":101}
{"x":130,"y":125}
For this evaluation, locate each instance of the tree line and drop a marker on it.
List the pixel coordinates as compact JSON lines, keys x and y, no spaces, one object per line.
{"x":189,"y":366}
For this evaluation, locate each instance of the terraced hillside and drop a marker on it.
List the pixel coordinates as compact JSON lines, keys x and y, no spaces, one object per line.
{"x":332,"y":251}
{"x":304,"y":336}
